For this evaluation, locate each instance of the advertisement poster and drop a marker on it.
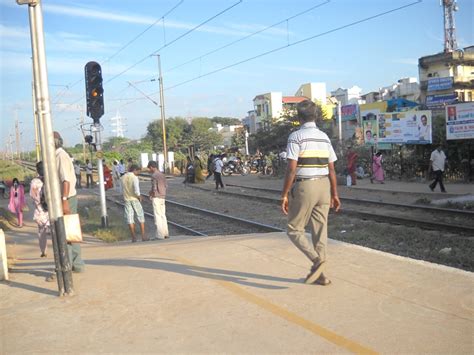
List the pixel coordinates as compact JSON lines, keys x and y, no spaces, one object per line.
{"x":411,"y":127}
{"x":349,"y":113}
{"x":460,"y":121}
{"x":368,"y":117}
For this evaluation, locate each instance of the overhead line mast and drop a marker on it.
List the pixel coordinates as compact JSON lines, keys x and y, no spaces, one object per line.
{"x":450,"y":43}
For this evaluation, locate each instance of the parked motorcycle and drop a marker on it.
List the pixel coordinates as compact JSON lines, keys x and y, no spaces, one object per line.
{"x":235,"y":167}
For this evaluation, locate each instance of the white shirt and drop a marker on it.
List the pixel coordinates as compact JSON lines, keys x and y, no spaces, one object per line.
{"x":219,"y":165}
{"x":312,"y":150}
{"x":66,"y":170}
{"x":89,"y":168}
{"x":438,"y":159}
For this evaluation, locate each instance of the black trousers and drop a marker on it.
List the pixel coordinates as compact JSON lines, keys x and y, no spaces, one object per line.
{"x":218,"y":178}
{"x":90,"y":181}
{"x":438,"y":178}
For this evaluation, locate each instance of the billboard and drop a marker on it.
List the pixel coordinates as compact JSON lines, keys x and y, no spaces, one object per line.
{"x":437,"y":84}
{"x":368,"y":117}
{"x":440,"y":100}
{"x":410,"y":127}
{"x":460,"y":121}
{"x":348,"y":113}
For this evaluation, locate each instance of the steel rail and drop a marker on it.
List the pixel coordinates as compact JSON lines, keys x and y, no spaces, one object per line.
{"x":392,"y":204}
{"x":431,"y":225}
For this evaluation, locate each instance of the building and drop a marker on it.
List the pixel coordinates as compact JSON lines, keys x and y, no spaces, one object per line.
{"x":348,"y":96}
{"x":316,"y":92}
{"x":227,"y":132}
{"x":446,"y":78}
{"x":268,"y":108}
{"x":406,"y":88}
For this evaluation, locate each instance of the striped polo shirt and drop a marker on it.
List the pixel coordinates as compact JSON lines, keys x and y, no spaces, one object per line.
{"x":312,"y":150}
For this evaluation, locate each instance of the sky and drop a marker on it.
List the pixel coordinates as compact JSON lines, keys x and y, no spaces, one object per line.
{"x":212,"y":54}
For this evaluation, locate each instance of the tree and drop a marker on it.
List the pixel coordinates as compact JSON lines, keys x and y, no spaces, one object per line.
{"x":226,"y":121}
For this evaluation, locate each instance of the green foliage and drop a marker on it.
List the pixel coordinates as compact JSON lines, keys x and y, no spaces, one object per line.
{"x":238,"y":139}
{"x":10,"y":170}
{"x":180,"y":134}
{"x":226,"y":121}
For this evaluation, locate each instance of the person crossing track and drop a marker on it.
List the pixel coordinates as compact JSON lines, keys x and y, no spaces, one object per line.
{"x":310,"y":189}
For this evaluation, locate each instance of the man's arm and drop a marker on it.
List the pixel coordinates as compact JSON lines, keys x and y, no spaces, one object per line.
{"x":335,"y":202}
{"x":289,"y":178}
{"x":65,"y":193}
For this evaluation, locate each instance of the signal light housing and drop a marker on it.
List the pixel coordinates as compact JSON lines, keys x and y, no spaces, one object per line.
{"x":94,"y":91}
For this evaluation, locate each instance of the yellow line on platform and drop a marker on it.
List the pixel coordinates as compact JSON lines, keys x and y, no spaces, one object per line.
{"x":289,"y":316}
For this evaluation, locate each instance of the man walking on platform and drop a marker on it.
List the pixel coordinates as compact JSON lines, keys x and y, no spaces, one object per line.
{"x":132,"y":197}
{"x":218,"y":166}
{"x":311,"y":177}
{"x":67,"y":181}
{"x":157,"y":195}
{"x":437,"y":164}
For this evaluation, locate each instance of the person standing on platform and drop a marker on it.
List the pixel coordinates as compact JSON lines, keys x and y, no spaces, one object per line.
{"x":132,"y":198}
{"x":116,"y":176}
{"x":89,"y":178}
{"x":210,"y":170}
{"x":218,"y":166}
{"x":377,"y":169}
{"x":17,"y":202}
{"x":121,"y":168}
{"x":157,"y":196}
{"x":67,"y":183}
{"x":310,"y":189}
{"x":437,"y":164}
{"x":40,"y":216}
{"x":352,"y":165}
{"x":77,"y":171}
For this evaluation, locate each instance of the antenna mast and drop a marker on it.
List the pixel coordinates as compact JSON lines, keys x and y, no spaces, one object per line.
{"x":449,"y":7}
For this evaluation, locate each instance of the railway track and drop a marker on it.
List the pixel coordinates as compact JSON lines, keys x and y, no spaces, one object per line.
{"x":203,"y":222}
{"x":453,"y":221}
{"x":443,"y":219}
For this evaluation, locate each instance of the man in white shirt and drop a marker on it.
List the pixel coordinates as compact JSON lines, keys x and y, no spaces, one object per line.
{"x":133,"y":206}
{"x":89,"y":179}
{"x":218,"y":165}
{"x":437,"y":163}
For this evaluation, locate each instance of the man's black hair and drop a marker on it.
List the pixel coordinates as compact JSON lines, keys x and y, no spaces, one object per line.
{"x":152,"y":164}
{"x":307,"y":111}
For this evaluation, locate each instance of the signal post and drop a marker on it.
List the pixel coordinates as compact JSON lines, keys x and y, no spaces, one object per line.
{"x":95,"y":110}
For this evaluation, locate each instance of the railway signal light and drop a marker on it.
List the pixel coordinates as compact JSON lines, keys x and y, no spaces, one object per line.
{"x":94,"y":91}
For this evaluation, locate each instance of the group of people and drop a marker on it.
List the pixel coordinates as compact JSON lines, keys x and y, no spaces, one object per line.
{"x":111,"y":176}
{"x":309,"y":191}
{"x":355,"y":171}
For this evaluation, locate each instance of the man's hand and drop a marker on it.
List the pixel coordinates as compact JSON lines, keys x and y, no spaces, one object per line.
{"x":284,"y":205}
{"x":66,"y":209}
{"x":335,"y":203}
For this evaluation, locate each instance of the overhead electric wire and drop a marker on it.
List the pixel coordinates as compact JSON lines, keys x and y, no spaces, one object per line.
{"x":120,"y":50}
{"x":295,"y":43}
{"x":249,"y":35}
{"x":143,"y":32}
{"x":173,"y":41}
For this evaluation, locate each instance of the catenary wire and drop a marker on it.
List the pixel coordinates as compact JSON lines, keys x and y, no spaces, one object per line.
{"x":173,"y":41}
{"x":295,"y":43}
{"x":115,"y":54}
{"x":249,"y":35}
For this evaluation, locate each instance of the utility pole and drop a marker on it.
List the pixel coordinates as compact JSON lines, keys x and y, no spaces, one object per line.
{"x":48,"y":149}
{"x":17,"y":136}
{"x":163,"y":117}
{"x":35,"y":120}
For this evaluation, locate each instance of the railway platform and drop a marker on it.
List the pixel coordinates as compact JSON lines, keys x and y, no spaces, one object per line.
{"x":233,"y":294}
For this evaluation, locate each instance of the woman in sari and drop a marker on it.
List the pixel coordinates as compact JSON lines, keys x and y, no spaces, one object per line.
{"x":40,"y":216}
{"x":108,"y":180}
{"x":377,"y":169}
{"x":17,"y":201}
{"x":198,"y":175}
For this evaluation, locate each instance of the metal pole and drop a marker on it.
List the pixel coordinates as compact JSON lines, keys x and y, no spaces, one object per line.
{"x":163,"y":125}
{"x":48,"y":149}
{"x":100,"y":171}
{"x":246,"y":142}
{"x":339,"y":122}
{"x":35,"y":120}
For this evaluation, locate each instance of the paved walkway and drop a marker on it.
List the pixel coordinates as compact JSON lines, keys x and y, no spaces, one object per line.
{"x":233,"y":294}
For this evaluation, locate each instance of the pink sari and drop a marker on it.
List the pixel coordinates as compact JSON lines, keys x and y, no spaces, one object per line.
{"x":17,"y":203}
{"x":377,"y":170}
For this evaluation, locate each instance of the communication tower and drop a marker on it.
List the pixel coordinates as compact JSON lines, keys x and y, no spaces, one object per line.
{"x":449,"y":7}
{"x":118,"y":122}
